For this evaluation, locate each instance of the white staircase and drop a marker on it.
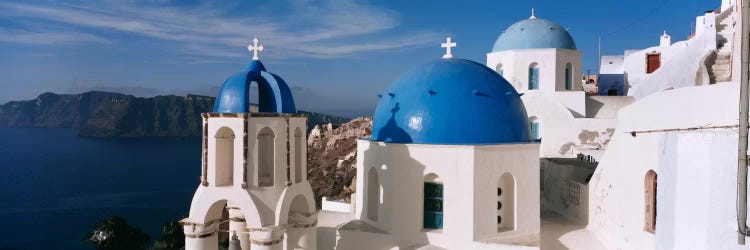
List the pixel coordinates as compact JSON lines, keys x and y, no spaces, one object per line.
{"x":721,"y":70}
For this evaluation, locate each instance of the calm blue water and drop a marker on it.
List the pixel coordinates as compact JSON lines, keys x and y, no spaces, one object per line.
{"x":55,"y":186}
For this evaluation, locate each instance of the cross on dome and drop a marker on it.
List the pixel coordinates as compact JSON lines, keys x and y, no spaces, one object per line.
{"x":448,"y":45}
{"x":532,"y":14}
{"x":255,"y":48}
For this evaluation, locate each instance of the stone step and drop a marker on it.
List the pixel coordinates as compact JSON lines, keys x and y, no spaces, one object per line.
{"x":723,"y":79}
{"x":727,"y":21}
{"x":724,"y":34}
{"x":720,"y":68}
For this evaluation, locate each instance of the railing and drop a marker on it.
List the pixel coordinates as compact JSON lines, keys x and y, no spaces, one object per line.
{"x":572,"y":192}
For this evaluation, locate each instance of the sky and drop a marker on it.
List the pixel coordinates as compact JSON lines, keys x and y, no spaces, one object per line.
{"x":337,"y":55}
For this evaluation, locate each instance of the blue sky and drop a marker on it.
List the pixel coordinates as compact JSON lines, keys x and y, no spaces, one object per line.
{"x":337,"y":55}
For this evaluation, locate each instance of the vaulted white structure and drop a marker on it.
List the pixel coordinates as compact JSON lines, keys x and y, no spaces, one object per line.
{"x":254,"y":191}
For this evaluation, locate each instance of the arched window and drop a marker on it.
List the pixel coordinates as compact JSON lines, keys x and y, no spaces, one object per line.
{"x":506,"y":203}
{"x":650,"y":195}
{"x":266,"y":144}
{"x":533,"y":76}
{"x":224,"y":146}
{"x":373,"y":194}
{"x":534,"y":129}
{"x":298,"y":164}
{"x":433,"y":202}
{"x":568,"y":76}
{"x":499,"y":68}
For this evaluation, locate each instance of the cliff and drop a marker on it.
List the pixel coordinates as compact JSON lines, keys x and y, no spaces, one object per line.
{"x":332,"y":157}
{"x":105,"y":114}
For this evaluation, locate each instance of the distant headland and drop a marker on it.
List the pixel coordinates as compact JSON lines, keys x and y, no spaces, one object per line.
{"x":108,"y":114}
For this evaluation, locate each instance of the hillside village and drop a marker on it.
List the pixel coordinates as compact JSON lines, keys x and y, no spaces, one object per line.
{"x":512,"y":153}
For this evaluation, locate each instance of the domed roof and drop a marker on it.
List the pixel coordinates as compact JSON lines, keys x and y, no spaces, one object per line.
{"x":451,"y":101}
{"x":534,"y":33}
{"x":274,"y":94}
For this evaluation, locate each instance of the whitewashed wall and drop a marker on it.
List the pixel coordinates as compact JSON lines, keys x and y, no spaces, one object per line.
{"x":612,"y":64}
{"x":563,"y":135}
{"x":680,"y":62}
{"x":695,"y":203}
{"x":470,"y":177}
{"x":551,"y":67}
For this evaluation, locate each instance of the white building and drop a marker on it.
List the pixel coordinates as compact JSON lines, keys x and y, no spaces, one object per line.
{"x":254,"y":190}
{"x":461,"y":158}
{"x":450,"y":163}
{"x":706,"y":57}
{"x":671,"y":182}
{"x":540,"y":59}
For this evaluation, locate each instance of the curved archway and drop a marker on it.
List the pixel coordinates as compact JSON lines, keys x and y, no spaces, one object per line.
{"x":373,"y":194}
{"x":534,"y":76}
{"x":299,"y":170}
{"x":433,"y":202}
{"x":214,"y":218}
{"x":499,"y":68}
{"x":506,"y":203}
{"x":224,"y":157}
{"x":649,"y":183}
{"x":568,"y":76}
{"x":266,"y":157}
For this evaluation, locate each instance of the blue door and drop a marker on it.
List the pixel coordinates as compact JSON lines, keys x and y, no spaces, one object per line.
{"x":433,"y":205}
{"x":533,"y":78}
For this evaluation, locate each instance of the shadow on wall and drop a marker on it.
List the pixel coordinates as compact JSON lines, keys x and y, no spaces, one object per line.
{"x":391,"y":131}
{"x":589,"y":140}
{"x":393,"y":164}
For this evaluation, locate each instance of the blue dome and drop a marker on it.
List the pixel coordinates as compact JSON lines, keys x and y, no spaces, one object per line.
{"x":273,"y":93}
{"x":451,"y":101}
{"x":534,"y":33}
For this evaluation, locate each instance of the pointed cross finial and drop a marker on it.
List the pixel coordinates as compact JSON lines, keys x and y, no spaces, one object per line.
{"x":448,"y":45}
{"x":532,"y":14}
{"x":255,"y":48}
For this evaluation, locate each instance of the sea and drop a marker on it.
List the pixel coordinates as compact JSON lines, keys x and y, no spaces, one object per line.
{"x":55,"y":186}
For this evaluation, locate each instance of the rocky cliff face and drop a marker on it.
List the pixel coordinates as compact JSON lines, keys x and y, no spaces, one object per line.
{"x":105,"y":114}
{"x":332,"y":155}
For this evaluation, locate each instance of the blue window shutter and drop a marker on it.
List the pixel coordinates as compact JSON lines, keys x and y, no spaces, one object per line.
{"x":433,"y":205}
{"x":535,"y":131}
{"x":533,"y":78}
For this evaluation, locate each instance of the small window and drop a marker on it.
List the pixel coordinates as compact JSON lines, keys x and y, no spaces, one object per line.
{"x":534,"y":128}
{"x":433,"y":205}
{"x":568,"y":76}
{"x":533,"y":76}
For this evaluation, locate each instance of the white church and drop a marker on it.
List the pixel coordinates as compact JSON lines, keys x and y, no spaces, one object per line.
{"x":534,"y":163}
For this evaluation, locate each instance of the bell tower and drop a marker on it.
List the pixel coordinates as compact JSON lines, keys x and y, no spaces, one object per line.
{"x":253,"y":190}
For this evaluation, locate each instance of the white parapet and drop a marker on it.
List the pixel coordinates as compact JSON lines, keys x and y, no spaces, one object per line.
{"x":336,"y":206}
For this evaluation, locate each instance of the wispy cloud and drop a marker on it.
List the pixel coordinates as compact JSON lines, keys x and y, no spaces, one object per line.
{"x":210,"y":32}
{"x":49,"y":37}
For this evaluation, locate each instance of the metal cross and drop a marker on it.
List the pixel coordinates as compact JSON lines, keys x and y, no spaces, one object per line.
{"x":255,"y":48}
{"x":448,"y":45}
